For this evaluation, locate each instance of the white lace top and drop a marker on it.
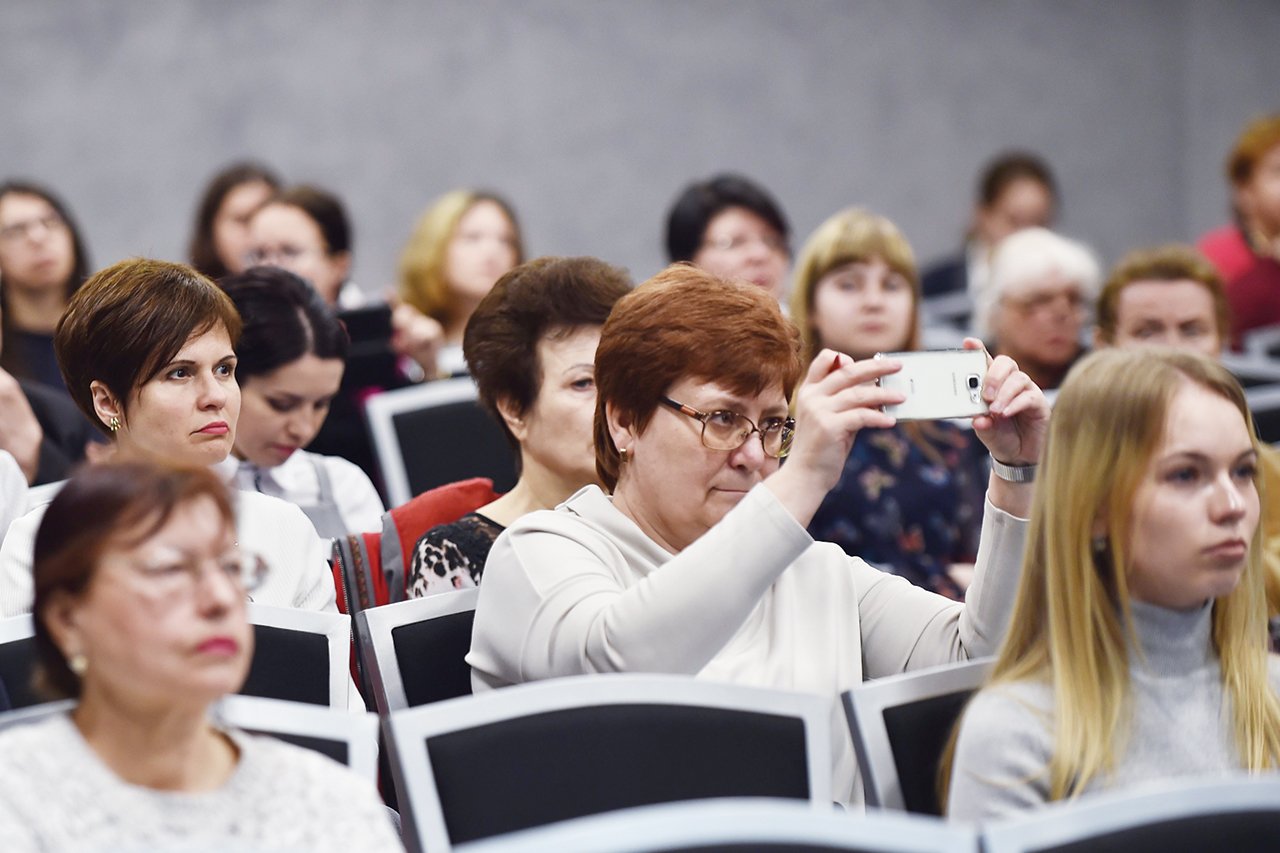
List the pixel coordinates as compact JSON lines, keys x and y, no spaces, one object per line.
{"x":56,"y":794}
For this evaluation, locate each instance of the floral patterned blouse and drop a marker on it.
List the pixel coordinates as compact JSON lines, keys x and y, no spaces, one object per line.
{"x":452,"y":556}
{"x":906,"y":513}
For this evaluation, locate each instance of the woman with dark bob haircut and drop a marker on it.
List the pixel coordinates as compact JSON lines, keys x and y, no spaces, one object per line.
{"x":291,"y":357}
{"x":531,"y":346}
{"x":147,"y":351}
{"x":732,"y":227}
{"x":140,"y":616}
{"x":699,"y":563}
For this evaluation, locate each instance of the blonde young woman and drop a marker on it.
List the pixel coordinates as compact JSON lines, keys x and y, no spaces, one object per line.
{"x":1135,"y":652}
{"x":459,"y":248}
{"x":909,"y":499}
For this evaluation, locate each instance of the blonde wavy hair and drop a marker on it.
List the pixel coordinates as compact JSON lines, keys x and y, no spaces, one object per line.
{"x":424,"y":281}
{"x":1072,"y":626}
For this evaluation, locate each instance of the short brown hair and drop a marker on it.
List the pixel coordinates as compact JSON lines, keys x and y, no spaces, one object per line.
{"x":545,"y":296}
{"x":129,"y":320}
{"x":1258,"y":137}
{"x":687,"y":322}
{"x":1174,"y":262}
{"x":102,"y":506}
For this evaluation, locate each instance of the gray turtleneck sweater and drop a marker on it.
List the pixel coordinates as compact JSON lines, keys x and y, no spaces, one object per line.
{"x":1180,"y":724}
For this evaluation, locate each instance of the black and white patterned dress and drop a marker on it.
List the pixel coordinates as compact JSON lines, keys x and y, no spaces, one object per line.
{"x":451,"y":556}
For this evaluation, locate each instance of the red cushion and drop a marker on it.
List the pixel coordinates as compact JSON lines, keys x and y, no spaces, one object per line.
{"x":441,"y":505}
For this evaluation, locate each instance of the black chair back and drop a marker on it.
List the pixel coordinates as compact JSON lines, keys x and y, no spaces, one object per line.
{"x":431,"y":657}
{"x":290,"y":665}
{"x":17,"y":665}
{"x":550,"y":751}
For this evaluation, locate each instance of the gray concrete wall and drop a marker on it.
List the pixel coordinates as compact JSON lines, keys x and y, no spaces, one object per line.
{"x":591,"y":114}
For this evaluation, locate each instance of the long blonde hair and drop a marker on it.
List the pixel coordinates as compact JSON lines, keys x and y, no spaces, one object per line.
{"x":1071,"y":623}
{"x":424,"y":281}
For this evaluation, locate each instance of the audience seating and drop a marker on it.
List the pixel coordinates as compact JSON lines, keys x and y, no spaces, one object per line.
{"x":436,"y":433}
{"x":900,"y":727}
{"x":372,"y":569}
{"x":1239,"y":814}
{"x":35,"y":713}
{"x":1253,"y":371}
{"x":299,"y":655}
{"x":1263,"y":342}
{"x":414,"y":651}
{"x":1264,"y":403}
{"x":348,"y":738}
{"x":532,"y":754}
{"x":745,"y":824}
{"x":17,"y":659}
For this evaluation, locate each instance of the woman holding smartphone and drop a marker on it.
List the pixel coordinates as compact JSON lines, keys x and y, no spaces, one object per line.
{"x":910,"y":497}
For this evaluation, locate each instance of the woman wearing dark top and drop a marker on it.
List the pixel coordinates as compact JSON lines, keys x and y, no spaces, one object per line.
{"x":42,"y":262}
{"x":909,"y":499}
{"x":530,"y":346}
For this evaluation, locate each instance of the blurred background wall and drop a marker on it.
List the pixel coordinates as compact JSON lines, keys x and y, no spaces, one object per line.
{"x":590,"y":115}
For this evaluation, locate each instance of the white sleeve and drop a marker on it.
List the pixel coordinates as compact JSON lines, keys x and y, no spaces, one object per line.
{"x":13,"y":491}
{"x":16,"y":590}
{"x":297,"y":559}
{"x":358,"y":501}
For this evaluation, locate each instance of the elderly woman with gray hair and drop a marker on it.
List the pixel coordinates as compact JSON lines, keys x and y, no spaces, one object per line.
{"x":1034,"y":307}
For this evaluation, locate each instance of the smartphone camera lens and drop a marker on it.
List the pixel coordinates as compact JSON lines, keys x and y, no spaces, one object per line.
{"x":973,"y":382}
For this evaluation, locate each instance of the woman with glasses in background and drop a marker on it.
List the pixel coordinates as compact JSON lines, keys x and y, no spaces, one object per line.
{"x":147,"y":349}
{"x":731,"y":227}
{"x":42,"y":262}
{"x":140,"y":589}
{"x":699,"y":563}
{"x":1033,"y":308}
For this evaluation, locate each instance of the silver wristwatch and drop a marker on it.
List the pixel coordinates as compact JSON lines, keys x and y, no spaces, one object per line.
{"x":1014,"y":473}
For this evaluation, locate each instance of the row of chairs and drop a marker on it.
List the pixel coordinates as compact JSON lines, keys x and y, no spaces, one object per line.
{"x":472,"y":768}
{"x":1240,"y":815}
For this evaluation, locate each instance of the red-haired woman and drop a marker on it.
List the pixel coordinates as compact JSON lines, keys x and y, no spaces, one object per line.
{"x":700,"y":563}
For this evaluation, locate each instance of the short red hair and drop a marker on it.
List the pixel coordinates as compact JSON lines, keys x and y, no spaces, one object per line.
{"x":686,"y":322}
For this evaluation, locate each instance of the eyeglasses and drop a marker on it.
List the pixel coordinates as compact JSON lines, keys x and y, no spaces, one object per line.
{"x":1039,"y":303}
{"x":15,"y":231}
{"x":181,"y":578}
{"x":279,"y":257}
{"x":737,"y":242}
{"x":723,"y":430}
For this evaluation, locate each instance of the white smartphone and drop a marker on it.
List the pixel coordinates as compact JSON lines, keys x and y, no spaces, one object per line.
{"x":938,"y":384}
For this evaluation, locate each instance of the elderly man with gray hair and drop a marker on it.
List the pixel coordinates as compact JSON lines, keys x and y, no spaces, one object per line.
{"x":1035,"y":305}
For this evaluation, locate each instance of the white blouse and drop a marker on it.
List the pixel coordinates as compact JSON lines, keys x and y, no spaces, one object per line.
{"x":296,"y":481}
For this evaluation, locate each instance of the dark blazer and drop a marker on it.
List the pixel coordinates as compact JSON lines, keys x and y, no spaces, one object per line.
{"x":65,"y":431}
{"x":950,"y":275}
